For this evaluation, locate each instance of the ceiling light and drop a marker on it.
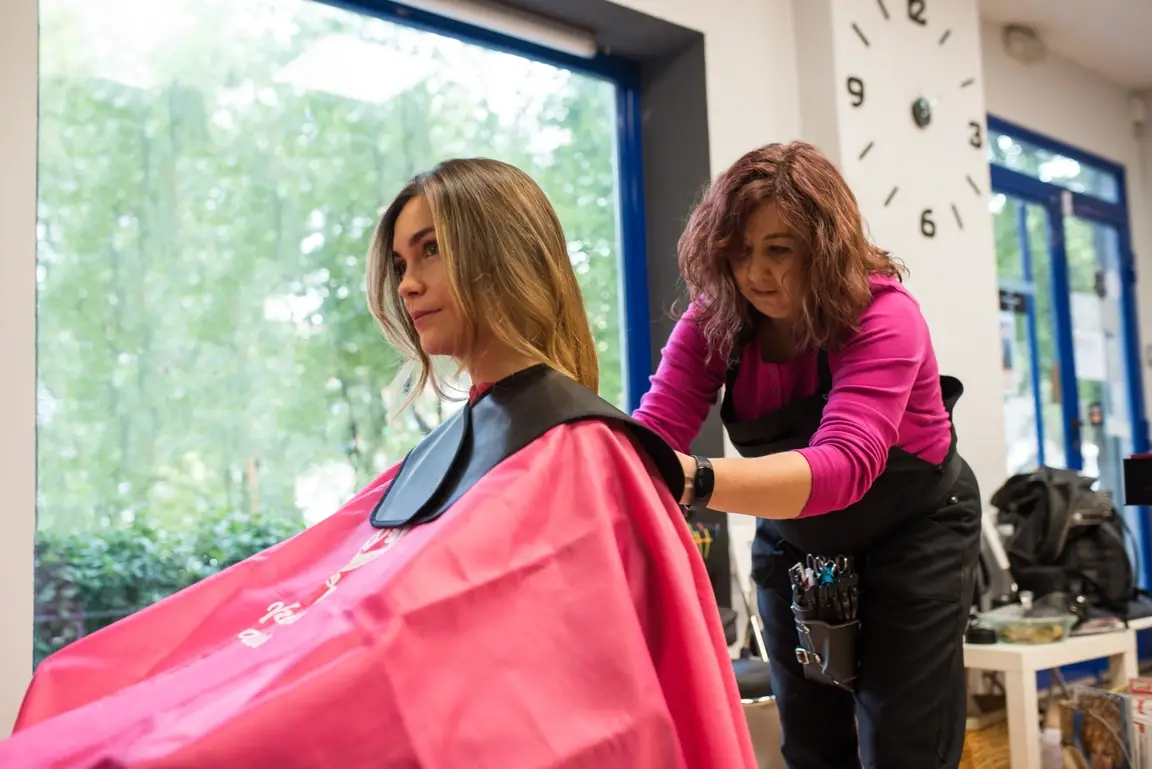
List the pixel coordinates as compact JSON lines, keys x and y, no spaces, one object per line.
{"x":1024,"y":44}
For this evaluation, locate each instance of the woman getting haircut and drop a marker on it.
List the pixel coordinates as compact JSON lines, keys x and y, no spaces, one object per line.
{"x":869,"y":530}
{"x":520,"y":591}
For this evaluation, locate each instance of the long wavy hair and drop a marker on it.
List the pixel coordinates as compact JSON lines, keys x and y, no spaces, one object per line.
{"x":508,"y":266}
{"x":816,"y":204}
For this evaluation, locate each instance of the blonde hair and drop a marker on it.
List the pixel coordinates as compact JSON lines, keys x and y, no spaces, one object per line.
{"x":507,"y":262}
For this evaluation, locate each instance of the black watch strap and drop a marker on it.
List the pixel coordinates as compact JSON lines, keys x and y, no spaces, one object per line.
{"x":703,"y":483}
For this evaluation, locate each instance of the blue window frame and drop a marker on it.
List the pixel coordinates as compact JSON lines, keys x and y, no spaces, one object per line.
{"x":1072,"y":192}
{"x":635,"y":324}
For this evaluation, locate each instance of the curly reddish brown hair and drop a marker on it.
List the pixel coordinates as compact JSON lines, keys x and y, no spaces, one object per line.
{"x":816,"y":205}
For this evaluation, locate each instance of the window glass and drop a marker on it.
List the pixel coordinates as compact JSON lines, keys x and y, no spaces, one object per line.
{"x":1047,"y":166}
{"x":210,"y":379}
{"x":1033,"y":420}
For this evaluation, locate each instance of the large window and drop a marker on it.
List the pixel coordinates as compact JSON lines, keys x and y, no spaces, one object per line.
{"x":1072,"y":391}
{"x":210,"y":171}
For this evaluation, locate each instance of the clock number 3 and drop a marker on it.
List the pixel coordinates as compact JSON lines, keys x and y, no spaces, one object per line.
{"x":916,"y":12}
{"x":927,"y":224}
{"x":856,"y":91}
{"x":977,"y":138}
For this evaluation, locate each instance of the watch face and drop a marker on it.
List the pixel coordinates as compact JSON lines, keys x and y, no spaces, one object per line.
{"x":912,"y":120}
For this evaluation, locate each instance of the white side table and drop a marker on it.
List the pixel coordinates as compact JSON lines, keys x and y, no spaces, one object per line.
{"x":1143,"y":623}
{"x":1020,"y":662}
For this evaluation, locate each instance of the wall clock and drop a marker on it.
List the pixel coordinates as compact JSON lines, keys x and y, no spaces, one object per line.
{"x":912,"y":123}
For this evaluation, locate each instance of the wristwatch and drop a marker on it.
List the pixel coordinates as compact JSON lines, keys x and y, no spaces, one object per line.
{"x":703,"y":483}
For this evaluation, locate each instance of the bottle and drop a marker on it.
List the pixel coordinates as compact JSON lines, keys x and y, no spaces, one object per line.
{"x":1051,"y":751}
{"x":1051,"y":741}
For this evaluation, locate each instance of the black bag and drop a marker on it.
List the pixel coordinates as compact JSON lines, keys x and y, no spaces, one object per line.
{"x":1066,"y":538}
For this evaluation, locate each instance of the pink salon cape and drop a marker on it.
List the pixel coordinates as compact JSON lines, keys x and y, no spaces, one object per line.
{"x":552,"y":618}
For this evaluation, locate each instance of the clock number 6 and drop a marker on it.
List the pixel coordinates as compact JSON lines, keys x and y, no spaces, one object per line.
{"x":977,"y":138}
{"x":916,"y":12}
{"x":927,"y":225}
{"x":856,"y":90}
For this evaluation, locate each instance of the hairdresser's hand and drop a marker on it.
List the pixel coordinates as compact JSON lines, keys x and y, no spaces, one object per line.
{"x":689,"y":466}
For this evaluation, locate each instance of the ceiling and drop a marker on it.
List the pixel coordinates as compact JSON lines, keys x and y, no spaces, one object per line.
{"x":1110,"y":37}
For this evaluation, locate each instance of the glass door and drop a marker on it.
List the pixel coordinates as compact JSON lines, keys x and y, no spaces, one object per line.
{"x":1033,"y":417}
{"x":1073,"y":396}
{"x":1070,"y":362}
{"x":1102,"y":379}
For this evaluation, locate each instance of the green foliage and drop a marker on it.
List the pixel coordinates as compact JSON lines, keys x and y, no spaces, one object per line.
{"x":84,"y":582}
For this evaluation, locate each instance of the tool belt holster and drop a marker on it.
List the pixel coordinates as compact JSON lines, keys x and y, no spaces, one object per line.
{"x":826,"y":651}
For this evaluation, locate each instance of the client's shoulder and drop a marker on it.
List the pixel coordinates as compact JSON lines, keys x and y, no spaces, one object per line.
{"x":553,"y":399}
{"x":513,"y":427}
{"x":615,"y":448}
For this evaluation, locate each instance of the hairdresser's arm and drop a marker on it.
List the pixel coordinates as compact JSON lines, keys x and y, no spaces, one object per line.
{"x":684,"y":387}
{"x":872,"y":380}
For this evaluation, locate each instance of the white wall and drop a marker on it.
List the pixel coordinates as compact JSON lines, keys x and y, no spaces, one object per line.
{"x":953,"y":274}
{"x":18,"y":87}
{"x":1140,"y":211}
{"x":750,"y":56}
{"x":1059,"y":99}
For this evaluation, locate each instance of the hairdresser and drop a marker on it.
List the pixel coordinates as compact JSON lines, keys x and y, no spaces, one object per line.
{"x":833,"y":398}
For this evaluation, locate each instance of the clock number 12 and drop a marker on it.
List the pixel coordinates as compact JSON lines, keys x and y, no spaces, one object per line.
{"x":856,"y":91}
{"x":916,"y":12}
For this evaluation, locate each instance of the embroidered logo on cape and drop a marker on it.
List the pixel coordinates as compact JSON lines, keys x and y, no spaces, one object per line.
{"x":280,"y":613}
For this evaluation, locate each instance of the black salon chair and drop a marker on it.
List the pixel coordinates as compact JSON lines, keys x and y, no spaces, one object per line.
{"x":751,"y":671}
{"x":728,"y":619}
{"x":753,"y":678}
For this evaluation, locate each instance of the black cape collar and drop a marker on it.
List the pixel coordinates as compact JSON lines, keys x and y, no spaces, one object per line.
{"x":506,"y":418}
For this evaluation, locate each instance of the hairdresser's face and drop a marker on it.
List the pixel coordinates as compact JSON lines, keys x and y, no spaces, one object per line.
{"x":767,"y":268}
{"x":424,"y":287}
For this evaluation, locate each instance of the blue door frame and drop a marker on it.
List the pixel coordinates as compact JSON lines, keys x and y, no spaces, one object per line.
{"x":1059,"y":202}
{"x":1029,"y":288}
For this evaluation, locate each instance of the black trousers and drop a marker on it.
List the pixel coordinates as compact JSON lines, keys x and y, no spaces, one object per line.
{"x":908,"y":711}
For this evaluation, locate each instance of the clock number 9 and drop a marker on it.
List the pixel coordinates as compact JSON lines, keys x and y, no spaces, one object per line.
{"x":927,"y":224}
{"x":856,"y":91}
{"x":977,"y":138}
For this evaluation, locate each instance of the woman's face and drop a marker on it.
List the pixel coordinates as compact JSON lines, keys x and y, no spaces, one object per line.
{"x":767,"y":268}
{"x":424,"y":286}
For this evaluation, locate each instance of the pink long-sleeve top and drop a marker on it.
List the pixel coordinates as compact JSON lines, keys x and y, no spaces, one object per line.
{"x":885,"y":393}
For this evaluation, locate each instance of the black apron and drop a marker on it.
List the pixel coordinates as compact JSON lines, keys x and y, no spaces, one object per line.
{"x":909,"y":485}
{"x":915,"y":539}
